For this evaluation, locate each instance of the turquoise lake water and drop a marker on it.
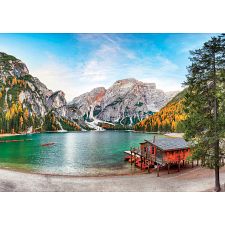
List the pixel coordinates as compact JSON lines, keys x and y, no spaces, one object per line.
{"x":75,"y":153}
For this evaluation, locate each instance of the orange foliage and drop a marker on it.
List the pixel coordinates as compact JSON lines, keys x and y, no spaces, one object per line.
{"x":164,"y":120}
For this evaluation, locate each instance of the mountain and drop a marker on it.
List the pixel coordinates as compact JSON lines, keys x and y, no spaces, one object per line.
{"x":168,"y":119}
{"x":126,"y":102}
{"x":26,"y":103}
{"x":88,"y":102}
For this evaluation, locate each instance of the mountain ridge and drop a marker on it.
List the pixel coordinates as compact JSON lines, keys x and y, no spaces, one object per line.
{"x":26,"y":102}
{"x":126,"y":100}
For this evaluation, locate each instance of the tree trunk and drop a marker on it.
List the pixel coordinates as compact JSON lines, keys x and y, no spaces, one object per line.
{"x":216,"y":145}
{"x":217,"y":167}
{"x":217,"y":179}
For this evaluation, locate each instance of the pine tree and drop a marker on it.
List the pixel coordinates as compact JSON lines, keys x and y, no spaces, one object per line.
{"x":205,"y":103}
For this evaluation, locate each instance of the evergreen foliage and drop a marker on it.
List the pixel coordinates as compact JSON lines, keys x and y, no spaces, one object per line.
{"x":15,"y":117}
{"x":205,"y":103}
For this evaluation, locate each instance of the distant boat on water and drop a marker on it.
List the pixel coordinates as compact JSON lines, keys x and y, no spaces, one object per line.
{"x":48,"y":144}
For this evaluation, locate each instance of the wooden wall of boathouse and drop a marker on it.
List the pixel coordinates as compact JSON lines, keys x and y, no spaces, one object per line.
{"x":165,"y":156}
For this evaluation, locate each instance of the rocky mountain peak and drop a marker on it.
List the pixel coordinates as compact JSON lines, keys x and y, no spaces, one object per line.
{"x":11,"y":66}
{"x":57,"y":99}
{"x":126,"y":81}
{"x":86,"y":102}
{"x":126,"y":101}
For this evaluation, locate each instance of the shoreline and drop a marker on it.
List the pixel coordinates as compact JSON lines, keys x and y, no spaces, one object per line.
{"x":195,"y":179}
{"x":170,"y":134}
{"x":122,"y":172}
{"x":174,"y":135}
{"x":30,"y":172}
{"x":9,"y":135}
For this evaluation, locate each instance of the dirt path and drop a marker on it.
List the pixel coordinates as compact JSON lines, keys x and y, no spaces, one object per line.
{"x":197,"y":179}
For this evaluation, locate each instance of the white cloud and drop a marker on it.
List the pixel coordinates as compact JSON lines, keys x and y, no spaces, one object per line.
{"x":104,"y":65}
{"x":166,"y":84}
{"x":104,"y":61}
{"x":112,"y":61}
{"x":159,"y":70}
{"x":94,"y":71}
{"x":56,"y":76}
{"x":100,"y":66}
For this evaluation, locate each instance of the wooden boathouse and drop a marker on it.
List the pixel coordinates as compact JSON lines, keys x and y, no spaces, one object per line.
{"x":160,"y":152}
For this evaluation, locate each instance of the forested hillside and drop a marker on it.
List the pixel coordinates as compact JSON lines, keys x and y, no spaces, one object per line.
{"x":168,"y":119}
{"x":28,"y":105}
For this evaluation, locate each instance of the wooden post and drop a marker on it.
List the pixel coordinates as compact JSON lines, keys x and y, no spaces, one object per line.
{"x":168,"y":168}
{"x":197,"y":162}
{"x":178,"y":166}
{"x":150,"y":165}
{"x":131,"y":157}
{"x":183,"y":163}
{"x":157,"y":170}
{"x":192,"y":164}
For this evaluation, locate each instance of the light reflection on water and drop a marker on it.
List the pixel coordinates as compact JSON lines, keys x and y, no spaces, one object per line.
{"x":75,"y":153}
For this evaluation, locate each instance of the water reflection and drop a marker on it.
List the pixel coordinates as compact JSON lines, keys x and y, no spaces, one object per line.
{"x":79,"y":153}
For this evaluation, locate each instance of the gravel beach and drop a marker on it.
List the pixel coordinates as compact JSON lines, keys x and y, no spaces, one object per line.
{"x":196,"y":179}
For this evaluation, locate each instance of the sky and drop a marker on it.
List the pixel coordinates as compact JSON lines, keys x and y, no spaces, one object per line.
{"x":77,"y":63}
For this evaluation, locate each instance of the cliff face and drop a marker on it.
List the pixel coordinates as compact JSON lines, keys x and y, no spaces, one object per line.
{"x":89,"y":102}
{"x":125,"y":102}
{"x":11,"y":66}
{"x":24,"y":100}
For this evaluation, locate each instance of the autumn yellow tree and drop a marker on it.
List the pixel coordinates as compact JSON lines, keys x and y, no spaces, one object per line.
{"x":21,"y":121}
{"x":26,"y":114}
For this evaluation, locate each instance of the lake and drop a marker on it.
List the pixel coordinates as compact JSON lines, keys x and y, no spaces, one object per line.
{"x":74,"y":153}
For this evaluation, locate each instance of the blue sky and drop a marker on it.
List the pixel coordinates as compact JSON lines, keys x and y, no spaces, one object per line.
{"x":77,"y":63}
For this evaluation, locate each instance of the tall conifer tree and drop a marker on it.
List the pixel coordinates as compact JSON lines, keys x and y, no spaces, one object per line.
{"x":205,"y":103}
